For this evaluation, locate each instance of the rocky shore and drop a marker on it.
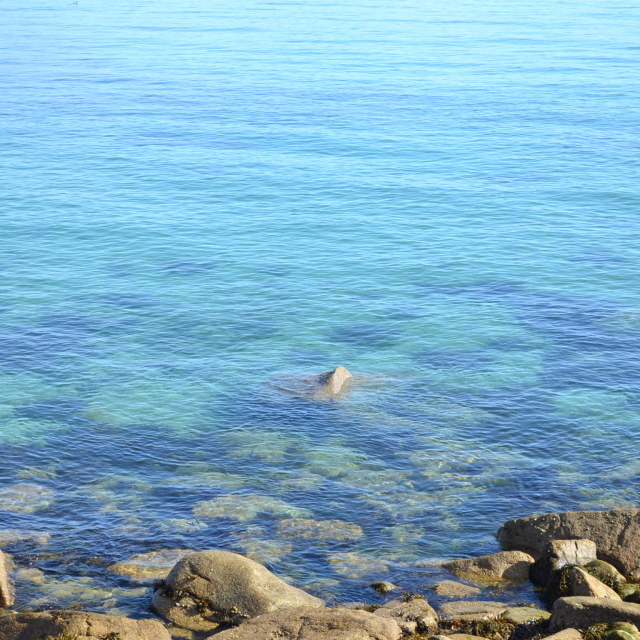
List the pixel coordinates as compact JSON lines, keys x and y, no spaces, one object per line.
{"x":585,"y":565}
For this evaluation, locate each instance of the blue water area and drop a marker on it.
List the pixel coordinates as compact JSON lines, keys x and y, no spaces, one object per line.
{"x":202,"y":203}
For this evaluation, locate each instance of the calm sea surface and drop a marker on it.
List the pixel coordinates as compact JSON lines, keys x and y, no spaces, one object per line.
{"x":199,"y":198}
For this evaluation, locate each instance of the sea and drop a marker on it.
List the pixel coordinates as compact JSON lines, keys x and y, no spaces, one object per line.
{"x":204,"y":202}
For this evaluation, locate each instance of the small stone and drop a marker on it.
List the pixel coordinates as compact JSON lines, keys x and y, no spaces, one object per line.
{"x":453,"y":589}
{"x":413,"y":616}
{"x":384,"y":587}
{"x":524,"y":615}
{"x":502,"y":566}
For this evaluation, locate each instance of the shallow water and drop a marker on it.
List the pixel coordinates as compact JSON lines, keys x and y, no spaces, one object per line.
{"x":199,"y":199}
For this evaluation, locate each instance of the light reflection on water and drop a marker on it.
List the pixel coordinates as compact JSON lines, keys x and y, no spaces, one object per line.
{"x":198,"y":203}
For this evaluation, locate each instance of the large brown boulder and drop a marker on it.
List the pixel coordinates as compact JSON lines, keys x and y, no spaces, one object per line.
{"x":616,"y":533}
{"x":315,"y":624}
{"x":581,"y":583}
{"x":78,"y":625}
{"x":7,"y":595}
{"x":581,"y":612}
{"x":210,"y":588}
{"x":505,"y":565}
{"x":332,"y":382}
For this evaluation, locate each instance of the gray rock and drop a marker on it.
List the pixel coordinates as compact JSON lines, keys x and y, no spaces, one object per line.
{"x":581,"y":612}
{"x":558,"y":554}
{"x":453,"y":589}
{"x":315,"y":624}
{"x":7,"y":594}
{"x":524,"y":615}
{"x":77,"y":625}
{"x":565,"y":552}
{"x":505,"y":565}
{"x":457,"y":636}
{"x":413,"y":616}
{"x":472,"y":610}
{"x":615,"y":532}
{"x":605,"y":572}
{"x":332,"y":382}
{"x":581,"y":583}
{"x":210,"y":588}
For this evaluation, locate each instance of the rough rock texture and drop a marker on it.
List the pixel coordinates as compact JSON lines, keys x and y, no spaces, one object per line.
{"x":558,"y":554}
{"x":475,"y":610}
{"x":581,"y":612}
{"x":566,"y":634}
{"x":77,"y":625}
{"x":615,"y":532}
{"x":413,"y":616}
{"x":565,"y":552}
{"x":620,"y":631}
{"x":7,"y":595}
{"x":209,"y":588}
{"x":453,"y":589}
{"x":315,"y":624}
{"x":505,"y":565}
{"x":581,"y":583}
{"x":524,"y":615}
{"x":605,"y":572}
{"x":332,"y":382}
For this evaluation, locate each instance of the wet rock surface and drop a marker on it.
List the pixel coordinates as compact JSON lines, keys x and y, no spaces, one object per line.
{"x":413,"y":615}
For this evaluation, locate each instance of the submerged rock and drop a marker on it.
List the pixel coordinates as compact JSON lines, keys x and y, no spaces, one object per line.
{"x":582,"y":612}
{"x":150,"y":566}
{"x":210,"y":588}
{"x":615,"y":532}
{"x":453,"y":589}
{"x":356,"y":565}
{"x":25,"y":497}
{"x":315,"y":624}
{"x":304,"y":528}
{"x":246,"y":507}
{"x":505,"y":565}
{"x":78,"y":625}
{"x":7,"y":595}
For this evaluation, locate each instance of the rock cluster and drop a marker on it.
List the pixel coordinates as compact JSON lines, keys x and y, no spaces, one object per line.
{"x":587,"y":578}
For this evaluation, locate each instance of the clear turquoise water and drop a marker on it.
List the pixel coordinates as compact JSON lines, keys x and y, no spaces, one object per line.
{"x":200,"y":197}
